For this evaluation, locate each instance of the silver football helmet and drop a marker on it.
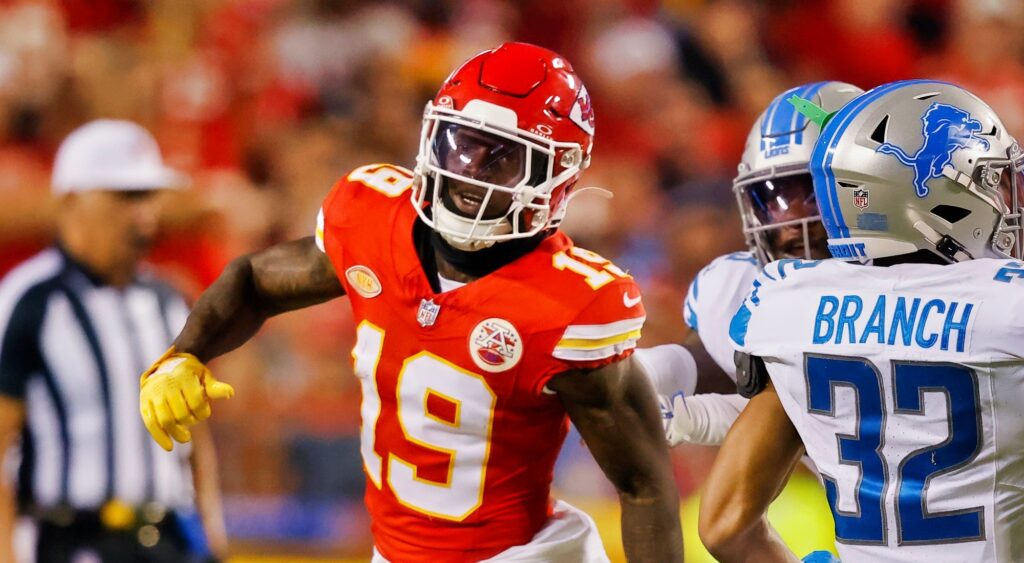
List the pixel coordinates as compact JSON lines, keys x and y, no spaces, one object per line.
{"x":919,"y":165}
{"x":773,"y":188}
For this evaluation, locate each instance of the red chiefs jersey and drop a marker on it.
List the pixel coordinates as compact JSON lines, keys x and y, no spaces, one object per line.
{"x":459,"y":435}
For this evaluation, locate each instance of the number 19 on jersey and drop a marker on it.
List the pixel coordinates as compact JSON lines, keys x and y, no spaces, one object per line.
{"x":461,"y":435}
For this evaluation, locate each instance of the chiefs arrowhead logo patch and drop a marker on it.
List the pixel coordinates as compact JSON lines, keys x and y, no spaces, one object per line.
{"x":495,"y":345}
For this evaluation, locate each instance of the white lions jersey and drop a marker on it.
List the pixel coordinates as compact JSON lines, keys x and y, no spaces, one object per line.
{"x":713,"y":298}
{"x":906,"y":385}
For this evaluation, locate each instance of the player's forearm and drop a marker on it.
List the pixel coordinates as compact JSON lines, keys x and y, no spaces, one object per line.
{"x":750,"y":470}
{"x":670,"y":368}
{"x":643,"y":478}
{"x":226,"y":315}
{"x":759,"y":543}
{"x":647,"y":490}
{"x":650,"y":523}
{"x":254,"y":288}
{"x":647,"y":493}
{"x":614,"y":409}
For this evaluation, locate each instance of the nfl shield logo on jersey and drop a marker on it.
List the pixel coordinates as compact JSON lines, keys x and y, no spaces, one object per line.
{"x":860,"y":199}
{"x":427,"y":315}
{"x":495,"y":345}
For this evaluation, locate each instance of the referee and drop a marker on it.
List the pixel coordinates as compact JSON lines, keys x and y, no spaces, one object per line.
{"x":77,"y":322}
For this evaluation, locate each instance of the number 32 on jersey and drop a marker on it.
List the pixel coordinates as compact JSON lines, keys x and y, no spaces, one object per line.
{"x":915,"y":524}
{"x":441,"y":408}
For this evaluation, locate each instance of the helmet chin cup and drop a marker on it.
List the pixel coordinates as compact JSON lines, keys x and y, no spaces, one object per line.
{"x":456,"y":230}
{"x":466,"y":244}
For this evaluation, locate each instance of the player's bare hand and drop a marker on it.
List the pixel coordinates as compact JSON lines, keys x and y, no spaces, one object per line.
{"x":175,"y":393}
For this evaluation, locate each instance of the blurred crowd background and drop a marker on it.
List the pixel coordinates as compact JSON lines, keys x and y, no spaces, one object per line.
{"x":267,"y":102}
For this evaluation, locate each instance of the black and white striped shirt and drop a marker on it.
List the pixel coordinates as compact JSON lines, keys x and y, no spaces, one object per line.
{"x":72,"y":349}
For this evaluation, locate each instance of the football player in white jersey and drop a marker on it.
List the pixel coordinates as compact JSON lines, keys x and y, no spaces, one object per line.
{"x":780,"y":220}
{"x":899,"y":367}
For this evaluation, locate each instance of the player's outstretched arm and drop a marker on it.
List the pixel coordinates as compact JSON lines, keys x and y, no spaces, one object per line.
{"x":614,"y":409}
{"x":176,"y":391}
{"x":688,"y":418}
{"x":254,"y":288}
{"x":750,"y":470}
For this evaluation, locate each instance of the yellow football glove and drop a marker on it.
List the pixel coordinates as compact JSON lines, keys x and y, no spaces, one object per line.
{"x":175,"y":393}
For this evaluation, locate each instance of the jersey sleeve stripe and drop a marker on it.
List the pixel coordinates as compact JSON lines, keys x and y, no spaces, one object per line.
{"x":689,"y":316}
{"x":597,"y":332}
{"x":587,"y":344}
{"x":578,"y":355}
{"x":738,"y":326}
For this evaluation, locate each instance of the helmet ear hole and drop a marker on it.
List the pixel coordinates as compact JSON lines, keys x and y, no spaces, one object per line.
{"x":878,"y":135}
{"x":950,"y":213}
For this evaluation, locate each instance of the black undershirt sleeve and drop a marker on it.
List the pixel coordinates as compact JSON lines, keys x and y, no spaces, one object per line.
{"x":20,"y":354}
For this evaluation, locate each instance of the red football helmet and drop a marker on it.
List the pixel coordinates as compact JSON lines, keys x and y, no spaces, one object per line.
{"x":503,"y":143}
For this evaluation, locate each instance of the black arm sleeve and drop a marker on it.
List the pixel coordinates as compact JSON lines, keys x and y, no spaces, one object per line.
{"x":20,"y":355}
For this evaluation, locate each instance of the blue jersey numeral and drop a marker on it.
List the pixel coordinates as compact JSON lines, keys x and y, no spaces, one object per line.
{"x":960,"y":385}
{"x":915,"y":525}
{"x":1013,"y":271}
{"x":796,"y":264}
{"x":824,"y":374}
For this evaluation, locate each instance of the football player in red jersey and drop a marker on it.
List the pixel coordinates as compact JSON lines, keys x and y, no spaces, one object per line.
{"x":480,"y":328}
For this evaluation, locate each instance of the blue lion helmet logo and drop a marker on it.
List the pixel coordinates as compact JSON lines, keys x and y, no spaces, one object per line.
{"x":946,"y":130}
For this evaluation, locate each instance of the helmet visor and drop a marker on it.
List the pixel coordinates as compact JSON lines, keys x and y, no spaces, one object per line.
{"x":479,"y":155}
{"x":778,"y":200}
{"x":478,"y":165}
{"x":781,"y":218}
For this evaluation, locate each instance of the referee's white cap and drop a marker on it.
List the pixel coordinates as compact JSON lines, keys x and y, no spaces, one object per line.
{"x":109,"y":154}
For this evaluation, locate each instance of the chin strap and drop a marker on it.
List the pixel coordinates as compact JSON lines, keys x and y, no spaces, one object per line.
{"x":479,"y":263}
{"x":559,"y":214}
{"x":606,"y":194}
